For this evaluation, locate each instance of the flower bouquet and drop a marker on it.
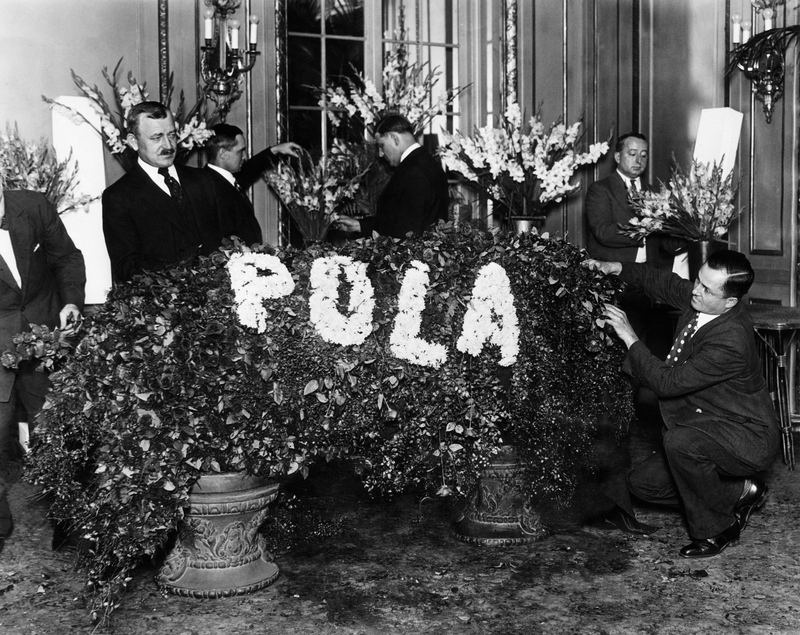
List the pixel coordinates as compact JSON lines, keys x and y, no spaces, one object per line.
{"x":314,"y":191}
{"x":34,"y":166}
{"x":191,"y":125}
{"x":520,"y":170}
{"x":697,"y":206}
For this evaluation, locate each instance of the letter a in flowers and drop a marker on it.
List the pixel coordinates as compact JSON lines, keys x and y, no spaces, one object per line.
{"x":251,"y":289}
{"x":491,"y":295}
{"x":331,"y":325}
{"x":405,"y":341}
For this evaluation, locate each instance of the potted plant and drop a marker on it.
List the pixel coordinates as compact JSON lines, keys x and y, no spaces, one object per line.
{"x":696,"y":207}
{"x":164,"y":390}
{"x":420,"y":361}
{"x":520,"y":169}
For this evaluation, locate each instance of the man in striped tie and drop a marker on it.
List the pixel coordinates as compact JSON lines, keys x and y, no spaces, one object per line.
{"x":720,"y":427}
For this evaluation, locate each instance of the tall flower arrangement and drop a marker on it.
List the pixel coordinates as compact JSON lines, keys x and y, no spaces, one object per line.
{"x":34,"y":166}
{"x":407,"y":89}
{"x":192,"y":125}
{"x":521,"y":169}
{"x":314,"y":191}
{"x":694,"y":206}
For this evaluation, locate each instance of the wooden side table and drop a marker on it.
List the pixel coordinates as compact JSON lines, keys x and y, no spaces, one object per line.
{"x":777,"y":327}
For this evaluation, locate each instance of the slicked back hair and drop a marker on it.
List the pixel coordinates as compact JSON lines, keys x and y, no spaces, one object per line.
{"x":224,"y":137}
{"x":151,"y":109}
{"x":629,"y":135}
{"x":394,"y":123}
{"x":737,"y":266}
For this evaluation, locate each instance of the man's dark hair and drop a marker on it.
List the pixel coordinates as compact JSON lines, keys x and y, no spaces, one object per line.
{"x":394,"y":123}
{"x":224,"y":137}
{"x":629,"y":135}
{"x":737,"y":266}
{"x":151,"y":109}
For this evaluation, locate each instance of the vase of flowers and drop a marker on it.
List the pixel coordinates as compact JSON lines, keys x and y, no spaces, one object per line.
{"x":697,"y":207}
{"x":521,"y":170}
{"x":191,"y":125}
{"x":315,"y":191}
{"x":34,"y":166}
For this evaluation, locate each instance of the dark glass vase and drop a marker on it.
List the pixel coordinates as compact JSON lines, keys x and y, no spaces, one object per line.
{"x":699,"y":251}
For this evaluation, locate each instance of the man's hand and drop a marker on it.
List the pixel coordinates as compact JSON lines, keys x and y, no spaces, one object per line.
{"x":69,"y":319}
{"x":289,"y":148}
{"x":619,"y":321}
{"x":605,"y":267}
{"x":348,"y":224}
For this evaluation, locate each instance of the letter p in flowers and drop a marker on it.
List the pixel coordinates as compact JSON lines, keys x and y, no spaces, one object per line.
{"x":251,"y":289}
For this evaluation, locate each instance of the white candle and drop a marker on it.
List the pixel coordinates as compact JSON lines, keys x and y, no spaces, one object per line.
{"x":736,"y":28}
{"x":208,"y":22}
{"x":253,"y":31}
{"x":234,"y":34}
{"x":768,"y":15}
{"x":746,"y":26}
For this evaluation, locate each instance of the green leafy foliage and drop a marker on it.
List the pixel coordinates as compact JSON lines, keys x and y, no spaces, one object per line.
{"x":167,"y":384}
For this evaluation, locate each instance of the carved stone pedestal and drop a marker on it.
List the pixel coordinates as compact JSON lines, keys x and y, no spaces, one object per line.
{"x":497,"y":513}
{"x":219,"y":550}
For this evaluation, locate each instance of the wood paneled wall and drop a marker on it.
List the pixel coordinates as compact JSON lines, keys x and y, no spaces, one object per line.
{"x":652,"y":66}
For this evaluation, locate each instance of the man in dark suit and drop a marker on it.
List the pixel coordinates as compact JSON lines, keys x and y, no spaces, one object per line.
{"x":158,"y":213}
{"x":720,"y":426}
{"x":233,"y":176}
{"x":607,"y":206}
{"x":416,"y":195}
{"x":42,"y":280}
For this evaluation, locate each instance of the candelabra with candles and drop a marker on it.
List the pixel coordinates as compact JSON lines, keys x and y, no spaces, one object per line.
{"x":761,"y":56}
{"x":223,"y":60}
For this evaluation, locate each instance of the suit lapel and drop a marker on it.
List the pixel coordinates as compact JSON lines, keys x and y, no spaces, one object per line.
{"x":156,"y":198}
{"x":22,"y":237}
{"x":620,"y":191}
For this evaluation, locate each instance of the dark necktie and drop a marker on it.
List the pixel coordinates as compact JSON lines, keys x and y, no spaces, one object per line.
{"x":175,"y":189}
{"x":681,"y":340}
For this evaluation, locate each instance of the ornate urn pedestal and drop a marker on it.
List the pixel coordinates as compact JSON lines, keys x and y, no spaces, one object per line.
{"x":219,"y":551}
{"x":497,"y":513}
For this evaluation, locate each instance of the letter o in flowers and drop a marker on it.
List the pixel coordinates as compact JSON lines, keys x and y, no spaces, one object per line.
{"x":331,"y":325}
{"x":491,"y":295}
{"x":251,"y":289}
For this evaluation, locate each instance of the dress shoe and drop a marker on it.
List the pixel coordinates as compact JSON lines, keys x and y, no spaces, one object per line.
{"x":754,"y":495}
{"x":708,"y":547}
{"x":618,"y":518}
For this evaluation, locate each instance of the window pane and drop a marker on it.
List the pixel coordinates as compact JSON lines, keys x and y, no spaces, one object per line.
{"x":303,"y":16}
{"x":344,"y":58}
{"x":303,"y":69}
{"x":305,"y":128}
{"x":345,"y":17}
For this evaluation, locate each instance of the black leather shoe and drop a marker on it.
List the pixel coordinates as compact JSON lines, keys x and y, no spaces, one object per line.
{"x":618,"y":518}
{"x":753,"y":498}
{"x":708,"y":547}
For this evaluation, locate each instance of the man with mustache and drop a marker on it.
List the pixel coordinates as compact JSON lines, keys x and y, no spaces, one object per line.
{"x":158,"y":213}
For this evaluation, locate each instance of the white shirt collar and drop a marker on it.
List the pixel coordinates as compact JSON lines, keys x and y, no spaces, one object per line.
{"x":152,"y":172}
{"x":224,"y":173}
{"x":408,"y":151}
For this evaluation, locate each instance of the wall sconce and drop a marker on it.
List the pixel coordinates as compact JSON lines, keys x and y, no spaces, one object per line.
{"x":223,"y":60}
{"x":761,"y":57}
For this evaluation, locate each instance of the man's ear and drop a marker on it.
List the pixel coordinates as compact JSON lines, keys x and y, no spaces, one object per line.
{"x":730,"y":303}
{"x":131,"y":139}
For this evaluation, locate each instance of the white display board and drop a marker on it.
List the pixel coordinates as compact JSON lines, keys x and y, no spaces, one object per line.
{"x":85,"y":227}
{"x":717,"y":141}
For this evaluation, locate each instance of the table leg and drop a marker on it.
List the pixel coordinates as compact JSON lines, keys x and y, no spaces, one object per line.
{"x":783,"y":411}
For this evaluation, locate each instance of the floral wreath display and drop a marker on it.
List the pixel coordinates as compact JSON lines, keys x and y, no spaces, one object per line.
{"x":417,"y":360}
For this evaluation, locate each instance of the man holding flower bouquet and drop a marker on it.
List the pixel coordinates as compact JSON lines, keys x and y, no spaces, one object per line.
{"x":415,"y":197}
{"x":608,"y":205}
